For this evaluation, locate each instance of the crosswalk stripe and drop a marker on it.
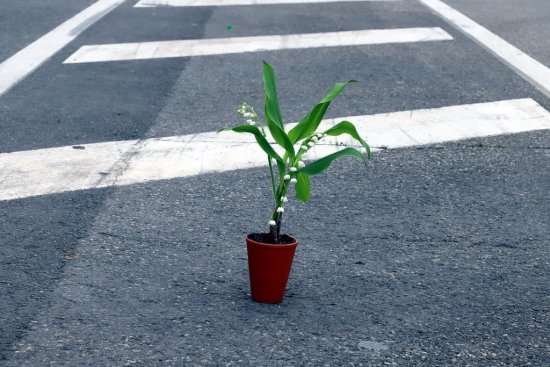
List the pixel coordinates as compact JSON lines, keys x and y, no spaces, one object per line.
{"x":27,"y":60}
{"x":153,"y":3}
{"x":530,"y":69}
{"x":118,"y":163}
{"x":218,"y":46}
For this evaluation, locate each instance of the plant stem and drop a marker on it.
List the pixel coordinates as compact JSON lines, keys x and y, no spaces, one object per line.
{"x":272,"y":179}
{"x":274,"y":231}
{"x":282,"y":191}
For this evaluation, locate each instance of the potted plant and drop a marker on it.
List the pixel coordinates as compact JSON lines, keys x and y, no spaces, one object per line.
{"x":270,"y":254}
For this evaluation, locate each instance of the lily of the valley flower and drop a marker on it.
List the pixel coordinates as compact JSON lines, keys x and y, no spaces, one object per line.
{"x":242,"y":109}
{"x":298,"y":148}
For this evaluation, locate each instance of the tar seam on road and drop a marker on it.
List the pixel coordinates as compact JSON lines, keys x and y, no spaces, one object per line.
{"x":121,"y":163}
{"x":527,"y":67}
{"x":27,"y":60}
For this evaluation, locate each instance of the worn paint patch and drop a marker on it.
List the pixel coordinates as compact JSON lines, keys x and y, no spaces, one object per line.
{"x":233,"y":45}
{"x":118,"y":163}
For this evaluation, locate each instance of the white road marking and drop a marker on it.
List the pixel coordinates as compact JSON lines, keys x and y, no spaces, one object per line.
{"x":529,"y":68}
{"x":152,"y":3}
{"x":24,"y":62}
{"x":219,"y":46}
{"x":55,"y":170}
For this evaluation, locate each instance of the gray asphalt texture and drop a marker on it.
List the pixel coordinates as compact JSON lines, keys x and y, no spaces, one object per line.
{"x":23,"y":22}
{"x":62,"y":104}
{"x":427,"y":256}
{"x":525,"y":24}
{"x":435,"y":256}
{"x":38,"y":237}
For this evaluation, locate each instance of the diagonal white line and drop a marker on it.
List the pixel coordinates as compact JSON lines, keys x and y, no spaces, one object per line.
{"x":24,"y":62}
{"x":153,"y":3}
{"x":55,"y":170}
{"x":219,"y":46}
{"x":529,"y":68}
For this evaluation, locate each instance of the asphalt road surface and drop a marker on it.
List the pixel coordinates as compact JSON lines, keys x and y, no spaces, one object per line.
{"x":430,"y":255}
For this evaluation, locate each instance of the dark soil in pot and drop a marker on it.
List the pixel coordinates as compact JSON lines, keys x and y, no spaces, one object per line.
{"x":266,"y":238}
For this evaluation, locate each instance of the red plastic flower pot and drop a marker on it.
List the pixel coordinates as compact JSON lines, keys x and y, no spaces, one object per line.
{"x":269,"y":267}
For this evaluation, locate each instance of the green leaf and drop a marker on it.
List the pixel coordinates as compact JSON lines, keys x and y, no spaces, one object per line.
{"x":303,"y":187}
{"x":271,"y":99}
{"x":336,"y":90}
{"x":273,"y":113}
{"x":311,"y":121}
{"x":282,"y":169}
{"x":322,"y":164}
{"x":262,"y":141}
{"x":346,"y":127}
{"x":281,"y":138}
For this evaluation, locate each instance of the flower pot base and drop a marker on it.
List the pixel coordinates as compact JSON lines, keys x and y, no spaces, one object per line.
{"x":269,"y":267}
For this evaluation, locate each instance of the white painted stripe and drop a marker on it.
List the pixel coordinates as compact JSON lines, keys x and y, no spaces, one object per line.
{"x":54,"y":170}
{"x":24,"y":62}
{"x":218,"y":46}
{"x":152,"y":3}
{"x":529,"y":68}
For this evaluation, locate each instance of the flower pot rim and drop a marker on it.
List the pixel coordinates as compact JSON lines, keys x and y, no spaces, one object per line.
{"x":272,"y":245}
